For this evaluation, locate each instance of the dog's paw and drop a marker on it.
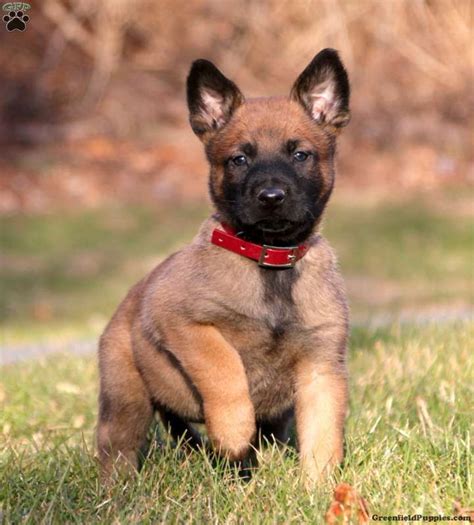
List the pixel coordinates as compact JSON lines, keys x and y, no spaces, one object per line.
{"x":231,"y":428}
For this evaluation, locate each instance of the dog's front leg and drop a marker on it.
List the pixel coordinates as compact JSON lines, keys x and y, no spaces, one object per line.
{"x":217,"y":371}
{"x":321,"y":400}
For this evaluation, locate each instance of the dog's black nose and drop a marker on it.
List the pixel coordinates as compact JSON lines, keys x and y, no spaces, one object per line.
{"x":271,"y":196}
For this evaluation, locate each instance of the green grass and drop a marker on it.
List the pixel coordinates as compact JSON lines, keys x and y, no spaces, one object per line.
{"x":408,"y":254}
{"x":408,"y":444}
{"x":63,"y":274}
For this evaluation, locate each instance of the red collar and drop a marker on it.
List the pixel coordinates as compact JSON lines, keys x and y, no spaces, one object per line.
{"x":267,"y":256}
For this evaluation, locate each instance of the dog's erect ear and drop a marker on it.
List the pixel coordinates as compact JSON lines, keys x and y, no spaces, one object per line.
{"x":212,"y":98}
{"x":323,"y":89}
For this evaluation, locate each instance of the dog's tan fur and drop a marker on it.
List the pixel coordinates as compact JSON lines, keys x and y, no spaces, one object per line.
{"x":202,"y":338}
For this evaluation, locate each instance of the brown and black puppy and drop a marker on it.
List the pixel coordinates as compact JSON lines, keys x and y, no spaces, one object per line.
{"x":213,"y":336}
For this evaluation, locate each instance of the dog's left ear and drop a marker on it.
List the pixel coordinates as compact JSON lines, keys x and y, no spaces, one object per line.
{"x":323,"y":90}
{"x":212,"y":98}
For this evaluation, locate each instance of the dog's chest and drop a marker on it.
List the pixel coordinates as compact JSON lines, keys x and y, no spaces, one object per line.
{"x":268,"y":345}
{"x":269,"y":365}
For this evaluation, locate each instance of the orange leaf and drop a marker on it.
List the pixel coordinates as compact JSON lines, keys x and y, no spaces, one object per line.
{"x":347,"y":507}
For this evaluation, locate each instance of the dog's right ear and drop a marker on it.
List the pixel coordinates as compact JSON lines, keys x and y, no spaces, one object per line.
{"x":212,"y":98}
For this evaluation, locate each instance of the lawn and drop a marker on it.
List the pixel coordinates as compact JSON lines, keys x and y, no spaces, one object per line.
{"x":408,"y":444}
{"x":409,"y":427}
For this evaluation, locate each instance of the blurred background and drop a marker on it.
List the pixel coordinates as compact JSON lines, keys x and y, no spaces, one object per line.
{"x":101,"y":176}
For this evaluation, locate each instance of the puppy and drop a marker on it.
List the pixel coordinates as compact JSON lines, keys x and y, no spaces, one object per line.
{"x":246,"y":327}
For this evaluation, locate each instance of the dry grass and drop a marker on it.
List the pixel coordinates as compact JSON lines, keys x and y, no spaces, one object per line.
{"x":117,"y":69}
{"x":403,"y":55}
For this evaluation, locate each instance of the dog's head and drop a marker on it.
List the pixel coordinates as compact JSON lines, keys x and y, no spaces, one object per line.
{"x":272,"y":159}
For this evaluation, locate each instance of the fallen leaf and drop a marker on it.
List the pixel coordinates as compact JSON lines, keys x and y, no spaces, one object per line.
{"x":335,"y":513}
{"x":347,"y":507}
{"x":459,"y":510}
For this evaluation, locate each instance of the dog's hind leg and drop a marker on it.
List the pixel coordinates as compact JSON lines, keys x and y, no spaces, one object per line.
{"x":125,"y":409}
{"x":181,"y":430}
{"x":277,"y":430}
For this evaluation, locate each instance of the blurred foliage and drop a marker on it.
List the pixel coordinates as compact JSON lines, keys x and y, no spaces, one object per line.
{"x":104,"y":82}
{"x":403,"y":55}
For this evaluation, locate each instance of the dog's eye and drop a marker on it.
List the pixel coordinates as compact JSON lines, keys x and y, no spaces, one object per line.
{"x":240,"y":160}
{"x":300,"y":156}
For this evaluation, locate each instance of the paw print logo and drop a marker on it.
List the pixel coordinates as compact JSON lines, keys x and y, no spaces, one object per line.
{"x":16,"y":19}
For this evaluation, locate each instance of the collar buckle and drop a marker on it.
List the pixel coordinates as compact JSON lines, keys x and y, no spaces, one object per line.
{"x":292,"y":257}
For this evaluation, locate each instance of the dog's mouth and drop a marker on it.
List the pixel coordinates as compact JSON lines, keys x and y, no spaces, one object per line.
{"x":275,"y":231}
{"x":274,"y":226}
